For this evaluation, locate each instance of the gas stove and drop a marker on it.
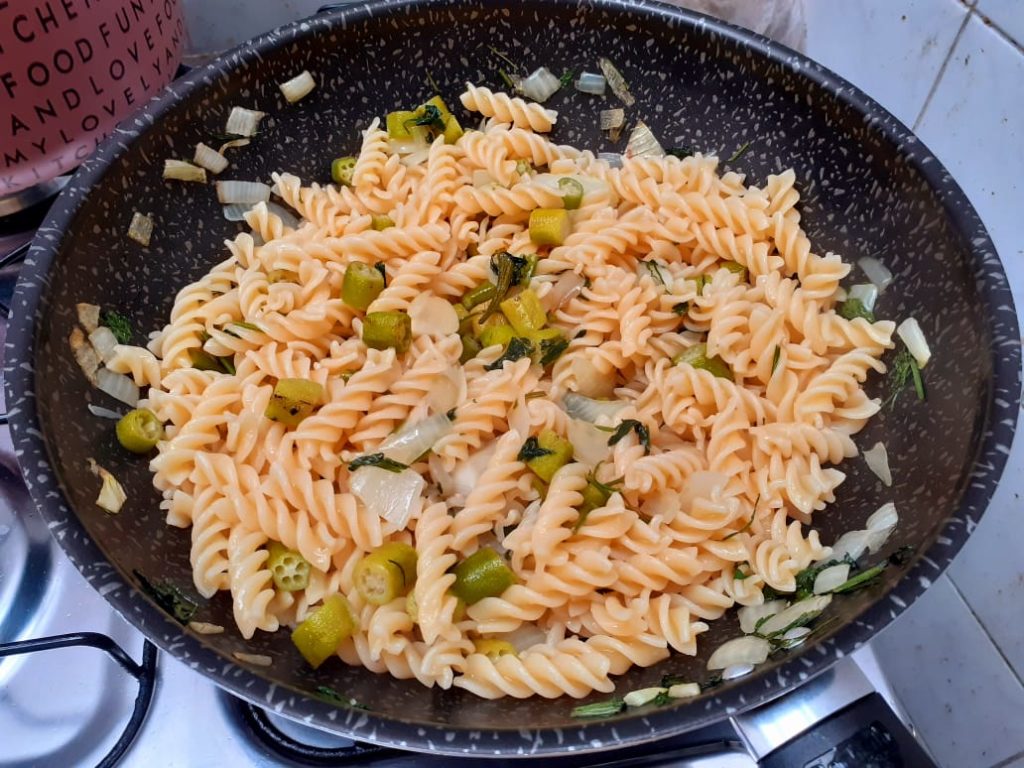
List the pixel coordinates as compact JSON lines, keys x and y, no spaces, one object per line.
{"x":79,"y":686}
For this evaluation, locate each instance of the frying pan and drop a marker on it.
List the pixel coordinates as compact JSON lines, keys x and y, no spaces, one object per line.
{"x":869,"y":187}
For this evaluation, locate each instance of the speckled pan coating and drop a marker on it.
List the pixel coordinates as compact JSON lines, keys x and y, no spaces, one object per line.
{"x":869,"y":187}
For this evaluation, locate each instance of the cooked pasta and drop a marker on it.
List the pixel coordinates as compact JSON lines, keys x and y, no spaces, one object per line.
{"x":708,"y":458}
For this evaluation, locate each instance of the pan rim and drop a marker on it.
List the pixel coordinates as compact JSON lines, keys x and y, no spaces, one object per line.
{"x":1003,"y":397}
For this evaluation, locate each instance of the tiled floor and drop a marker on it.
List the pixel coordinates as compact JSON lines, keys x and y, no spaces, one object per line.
{"x":955,"y":73}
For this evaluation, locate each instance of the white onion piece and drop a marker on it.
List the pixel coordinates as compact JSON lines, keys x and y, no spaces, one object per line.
{"x":839,"y":294}
{"x":567,"y":285}
{"x":852,"y":543}
{"x":140,"y":229}
{"x":592,"y":83}
{"x":642,"y":696}
{"x":298,"y":87}
{"x":88,"y":316}
{"x":104,"y":413}
{"x":179,"y":170}
{"x":684,"y":691}
{"x":866,"y":294}
{"x":243,"y":122}
{"x":287,"y":218}
{"x":588,"y":409}
{"x":883,"y":518}
{"x":737,"y":670}
{"x":642,"y":143}
{"x":812,"y":606}
{"x":103,"y":341}
{"x":541,"y":85}
{"x":393,"y":496}
{"x":830,"y":578}
{"x":795,"y":636}
{"x":877,"y":460}
{"x":448,"y":390}
{"x":876,"y":272}
{"x":589,"y":444}
{"x":616,"y":81}
{"x":741,"y":650}
{"x":749,"y":615}
{"x":209,"y":158}
{"x":432,"y":316}
{"x":413,"y":440}
{"x":523,"y":637}
{"x":250,"y":192}
{"x":236,"y":211}
{"x":875,"y":540}
{"x":611,"y":118}
{"x":467,"y":474}
{"x":118,"y":386}
{"x":416,"y":157}
{"x":913,"y":337}
{"x":588,"y":380}
{"x":112,"y":496}
{"x":416,"y":143}
{"x":614,"y":159}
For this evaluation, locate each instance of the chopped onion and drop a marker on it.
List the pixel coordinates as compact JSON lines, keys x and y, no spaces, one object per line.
{"x":642,"y":696}
{"x":737,"y":670}
{"x":540,"y":85}
{"x":795,"y":637}
{"x":88,"y":316}
{"x":393,"y":496}
{"x":830,"y":578}
{"x":803,"y":611}
{"x":467,"y":473}
{"x":567,"y":285}
{"x":243,"y":122}
{"x":684,"y":691}
{"x":642,"y":143}
{"x":236,"y":211}
{"x":118,"y":386}
{"x":103,"y":341}
{"x":415,"y":144}
{"x":104,"y":413}
{"x":287,"y":218}
{"x":866,"y":294}
{"x":878,"y":462}
{"x":589,"y":444}
{"x":883,"y":518}
{"x":413,"y":440}
{"x":141,"y":228}
{"x":432,"y":315}
{"x":611,"y":118}
{"x":741,"y":650}
{"x":256,"y":659}
{"x":250,"y":192}
{"x":852,"y":543}
{"x":112,"y":496}
{"x":875,"y":540}
{"x":298,"y":87}
{"x":205,"y":628}
{"x":617,"y":82}
{"x":209,"y":158}
{"x":913,"y":337}
{"x":588,"y":409}
{"x":524,"y":636}
{"x":876,"y":272}
{"x":179,"y":170}
{"x":592,"y":83}
{"x":749,"y":615}
{"x":614,"y":159}
{"x":447,"y":390}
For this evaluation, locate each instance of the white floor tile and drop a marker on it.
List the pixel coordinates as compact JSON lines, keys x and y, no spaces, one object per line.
{"x":962,"y":697}
{"x":891,"y":49}
{"x":1007,"y":14}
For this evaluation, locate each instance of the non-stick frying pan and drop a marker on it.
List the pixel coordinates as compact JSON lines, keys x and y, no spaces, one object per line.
{"x":869,"y":187}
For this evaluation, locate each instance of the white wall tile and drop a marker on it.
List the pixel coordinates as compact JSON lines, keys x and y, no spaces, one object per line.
{"x":1007,"y":14}
{"x":891,"y":49}
{"x":962,"y":697}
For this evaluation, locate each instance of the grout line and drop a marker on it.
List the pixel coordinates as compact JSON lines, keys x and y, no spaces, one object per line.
{"x":984,"y":629}
{"x":942,"y":69}
{"x":1008,"y":761}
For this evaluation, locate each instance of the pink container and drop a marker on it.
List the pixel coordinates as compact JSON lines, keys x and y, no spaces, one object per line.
{"x":70,"y":70}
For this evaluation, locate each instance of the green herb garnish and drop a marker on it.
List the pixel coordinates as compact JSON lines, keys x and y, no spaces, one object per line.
{"x":552,"y":349}
{"x":169,"y":597}
{"x":851,"y":309}
{"x":632,"y":425}
{"x":775,"y":357}
{"x":332,"y":695}
{"x":517,"y":349}
{"x":862,"y":579}
{"x":600,"y":709}
{"x":805,"y":579}
{"x":431,"y":117}
{"x":681,"y":308}
{"x":532,"y":450}
{"x":741,"y":530}
{"x":378,"y":460}
{"x":510,"y":270}
{"x":379,"y":266}
{"x":739,"y":153}
{"x":504,"y":58}
{"x":739,"y":574}
{"x":566,"y":79}
{"x":119,"y":325}
{"x":682,"y":151}
{"x":904,"y":370}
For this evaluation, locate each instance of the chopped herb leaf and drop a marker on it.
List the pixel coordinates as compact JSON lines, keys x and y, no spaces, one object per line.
{"x":805,"y":579}
{"x":378,"y":460}
{"x":654,"y":271}
{"x":505,"y":58}
{"x":566,"y":79}
{"x":551,"y":350}
{"x":682,"y":151}
{"x":228,"y":364}
{"x":862,"y":579}
{"x":532,"y":450}
{"x":739,"y":574}
{"x":379,"y":266}
{"x":631,"y":425}
{"x":451,"y":415}
{"x":510,"y":270}
{"x":506,"y":79}
{"x":332,"y":695}
{"x":433,"y":83}
{"x":431,"y":117}
{"x":902,"y":555}
{"x":169,"y":597}
{"x":741,"y":530}
{"x":802,"y":620}
{"x":739,"y":153}
{"x":661,"y":699}
{"x":681,"y":308}
{"x":119,"y":325}
{"x":711,"y":682}
{"x":904,"y":370}
{"x":851,"y":309}
{"x":517,"y":349}
{"x":770,"y":593}
{"x":775,"y":357}
{"x":600,"y":709}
